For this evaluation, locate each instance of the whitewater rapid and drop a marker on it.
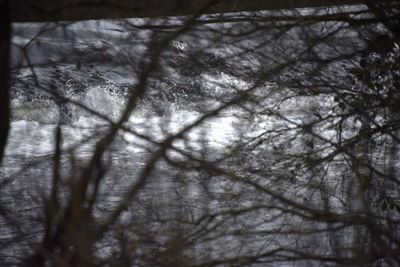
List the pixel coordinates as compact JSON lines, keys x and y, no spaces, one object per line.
{"x":33,"y":128}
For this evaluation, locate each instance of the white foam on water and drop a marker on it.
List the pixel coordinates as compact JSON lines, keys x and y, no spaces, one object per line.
{"x":32,"y":137}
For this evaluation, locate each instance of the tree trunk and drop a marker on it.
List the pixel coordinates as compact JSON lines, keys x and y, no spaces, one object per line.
{"x":5,"y":35}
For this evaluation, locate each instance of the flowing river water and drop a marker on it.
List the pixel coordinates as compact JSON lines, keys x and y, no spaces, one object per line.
{"x":191,"y":84}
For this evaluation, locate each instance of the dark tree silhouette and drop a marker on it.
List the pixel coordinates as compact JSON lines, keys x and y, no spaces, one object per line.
{"x":289,"y":154}
{"x":5,"y":33}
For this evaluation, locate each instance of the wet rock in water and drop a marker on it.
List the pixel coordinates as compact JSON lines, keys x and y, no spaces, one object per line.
{"x":193,"y":63}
